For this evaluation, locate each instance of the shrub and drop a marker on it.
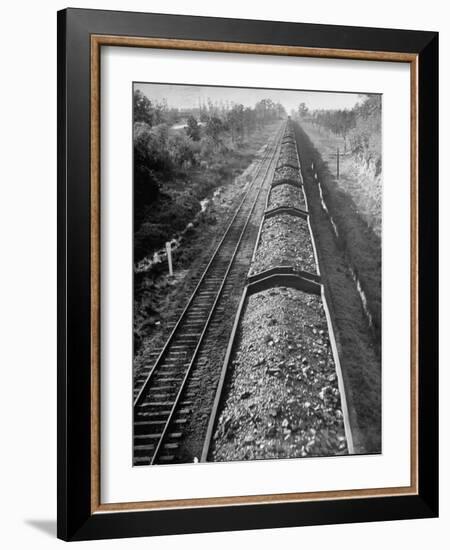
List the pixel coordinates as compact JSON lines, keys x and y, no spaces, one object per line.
{"x":193,"y":129}
{"x":182,"y":150}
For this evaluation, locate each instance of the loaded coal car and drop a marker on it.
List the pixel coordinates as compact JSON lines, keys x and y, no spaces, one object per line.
{"x":288,"y":155}
{"x":284,"y":240}
{"x":286,"y":195}
{"x":286,"y":172}
{"x":284,"y":362}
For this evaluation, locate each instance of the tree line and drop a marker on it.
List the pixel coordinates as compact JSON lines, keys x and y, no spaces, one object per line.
{"x":360,"y":127}
{"x":209,"y":129}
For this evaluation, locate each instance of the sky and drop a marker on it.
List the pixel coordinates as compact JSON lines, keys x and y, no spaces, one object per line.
{"x":183,"y":96}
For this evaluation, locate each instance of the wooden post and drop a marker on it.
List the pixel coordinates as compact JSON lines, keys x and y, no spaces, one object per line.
{"x":337,"y":163}
{"x":169,"y":257}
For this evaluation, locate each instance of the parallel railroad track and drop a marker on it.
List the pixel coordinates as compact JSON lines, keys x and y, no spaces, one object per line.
{"x":163,"y":403}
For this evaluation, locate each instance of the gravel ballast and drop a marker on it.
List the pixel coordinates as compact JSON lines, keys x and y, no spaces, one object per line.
{"x":284,"y":241}
{"x":286,"y":195}
{"x":282,"y":398}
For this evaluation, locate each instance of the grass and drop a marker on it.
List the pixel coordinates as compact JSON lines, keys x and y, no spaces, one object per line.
{"x":357,"y":178}
{"x":180,"y":195}
{"x":357,"y":248}
{"x":359,"y":232}
{"x":158,"y":297}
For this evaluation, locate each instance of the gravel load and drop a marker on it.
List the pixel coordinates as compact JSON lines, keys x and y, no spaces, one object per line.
{"x":282,"y":398}
{"x":286,"y":172}
{"x":290,"y":144}
{"x":285,"y":241}
{"x":286,"y":157}
{"x":286,"y":195}
{"x":288,"y":150}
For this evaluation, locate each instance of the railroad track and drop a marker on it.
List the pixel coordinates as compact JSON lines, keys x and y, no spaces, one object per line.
{"x":163,"y":404}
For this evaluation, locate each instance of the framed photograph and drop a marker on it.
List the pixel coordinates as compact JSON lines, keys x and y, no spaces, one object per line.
{"x":247,"y":253}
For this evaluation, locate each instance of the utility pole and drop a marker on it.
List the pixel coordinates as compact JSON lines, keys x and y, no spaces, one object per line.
{"x":169,"y":257}
{"x":337,"y":155}
{"x":337,"y":163}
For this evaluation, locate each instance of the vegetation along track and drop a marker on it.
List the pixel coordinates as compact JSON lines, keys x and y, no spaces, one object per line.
{"x":164,"y":404}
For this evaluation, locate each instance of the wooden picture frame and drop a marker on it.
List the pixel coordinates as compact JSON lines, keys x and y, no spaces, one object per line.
{"x":81,"y":35}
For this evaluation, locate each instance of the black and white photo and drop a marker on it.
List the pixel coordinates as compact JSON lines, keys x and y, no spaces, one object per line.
{"x":247,"y":264}
{"x":257,"y":273}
